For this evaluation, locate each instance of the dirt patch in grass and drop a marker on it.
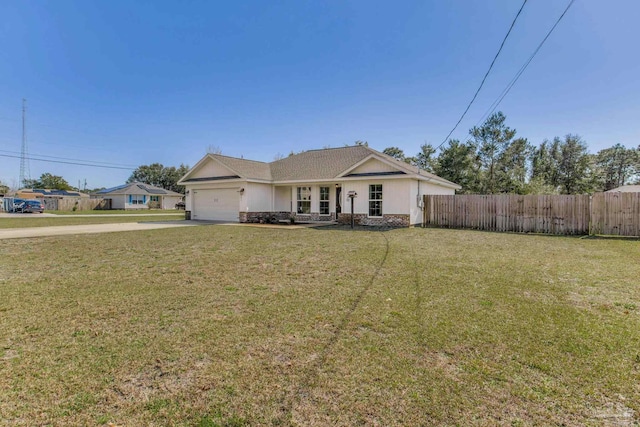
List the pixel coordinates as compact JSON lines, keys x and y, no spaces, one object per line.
{"x":254,"y":326}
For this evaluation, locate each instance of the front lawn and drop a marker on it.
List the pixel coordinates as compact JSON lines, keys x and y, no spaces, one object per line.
{"x":230,"y":326}
{"x":121,"y":212}
{"x":44,"y":221}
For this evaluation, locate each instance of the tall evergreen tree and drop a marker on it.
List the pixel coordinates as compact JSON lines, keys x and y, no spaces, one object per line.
{"x":512,"y":166}
{"x":458,"y":163}
{"x":394,"y":152}
{"x":617,"y":166}
{"x":425,"y":159}
{"x":576,"y":167}
{"x":492,"y":139}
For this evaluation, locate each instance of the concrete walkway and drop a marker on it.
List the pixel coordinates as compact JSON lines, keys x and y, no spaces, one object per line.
{"x":60,"y":230}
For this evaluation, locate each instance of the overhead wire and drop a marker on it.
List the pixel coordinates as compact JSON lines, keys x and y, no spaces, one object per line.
{"x":69,"y":163}
{"x":67,"y":158}
{"x":485,"y":75}
{"x":513,"y":81}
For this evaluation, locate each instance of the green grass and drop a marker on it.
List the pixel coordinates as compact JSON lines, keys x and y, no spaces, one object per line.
{"x":44,"y":221}
{"x":121,"y":212}
{"x":235,"y":326}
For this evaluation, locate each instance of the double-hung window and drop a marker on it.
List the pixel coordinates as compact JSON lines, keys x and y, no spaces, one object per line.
{"x":324,"y":200}
{"x":375,"y":200}
{"x":304,"y":200}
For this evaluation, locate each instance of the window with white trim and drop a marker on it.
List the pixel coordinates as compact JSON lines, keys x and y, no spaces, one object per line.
{"x":304,"y":200}
{"x":375,"y":200}
{"x":324,"y":200}
{"x":137,"y":199}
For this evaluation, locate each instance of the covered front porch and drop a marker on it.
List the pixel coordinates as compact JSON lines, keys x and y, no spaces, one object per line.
{"x":300,"y":202}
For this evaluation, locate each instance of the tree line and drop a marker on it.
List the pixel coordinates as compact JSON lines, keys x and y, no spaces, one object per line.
{"x":494,"y":161}
{"x":155,"y":174}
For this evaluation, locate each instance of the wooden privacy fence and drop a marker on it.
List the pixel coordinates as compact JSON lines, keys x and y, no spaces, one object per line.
{"x":605,"y":213}
{"x":69,"y":204}
{"x":616,"y":214}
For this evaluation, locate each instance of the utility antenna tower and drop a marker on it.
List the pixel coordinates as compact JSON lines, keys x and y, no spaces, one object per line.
{"x":24,"y":162}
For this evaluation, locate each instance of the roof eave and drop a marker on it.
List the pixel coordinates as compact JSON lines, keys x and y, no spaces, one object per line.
{"x":201,"y":162}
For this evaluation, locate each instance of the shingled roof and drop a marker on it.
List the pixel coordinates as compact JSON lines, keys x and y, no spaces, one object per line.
{"x":251,"y":169}
{"x":318,"y":164}
{"x":327,"y":163}
{"x":138,"y":188}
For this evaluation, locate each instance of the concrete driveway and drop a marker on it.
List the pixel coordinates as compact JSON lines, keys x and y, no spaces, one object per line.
{"x":59,"y":230}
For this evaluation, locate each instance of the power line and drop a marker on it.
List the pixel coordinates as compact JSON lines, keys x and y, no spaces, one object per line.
{"x":513,"y":81}
{"x":67,"y":158}
{"x":485,"y":76}
{"x":69,"y":163}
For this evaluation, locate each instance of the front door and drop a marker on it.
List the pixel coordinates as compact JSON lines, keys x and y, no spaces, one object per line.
{"x":338,"y":201}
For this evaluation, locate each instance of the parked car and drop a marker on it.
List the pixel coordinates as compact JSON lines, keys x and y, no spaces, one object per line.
{"x":15,"y":204}
{"x":30,"y":206}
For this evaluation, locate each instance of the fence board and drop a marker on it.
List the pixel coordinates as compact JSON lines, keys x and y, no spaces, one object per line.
{"x":615,"y":214}
{"x":68,"y":204}
{"x":603,"y":213}
{"x":513,"y":213}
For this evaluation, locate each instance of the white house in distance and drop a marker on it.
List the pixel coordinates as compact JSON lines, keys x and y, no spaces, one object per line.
{"x":314,"y":186}
{"x":137,"y":195}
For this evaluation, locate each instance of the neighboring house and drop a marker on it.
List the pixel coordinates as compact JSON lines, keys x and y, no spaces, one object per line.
{"x":625,"y":189}
{"x":139,"y":196}
{"x":39,"y":193}
{"x":314,"y":186}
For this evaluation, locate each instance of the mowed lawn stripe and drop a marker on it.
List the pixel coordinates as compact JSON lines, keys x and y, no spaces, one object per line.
{"x":222,"y":325}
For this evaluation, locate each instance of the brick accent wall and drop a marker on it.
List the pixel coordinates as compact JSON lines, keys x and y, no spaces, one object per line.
{"x":261,"y":217}
{"x":389,"y":220}
{"x":314,"y":216}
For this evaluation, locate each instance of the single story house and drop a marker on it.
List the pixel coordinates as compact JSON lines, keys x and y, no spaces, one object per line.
{"x":312,"y":186}
{"x":137,"y":195}
{"x":625,"y":189}
{"x":42,"y":193}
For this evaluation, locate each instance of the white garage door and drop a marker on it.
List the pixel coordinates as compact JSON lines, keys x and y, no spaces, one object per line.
{"x":219,"y":204}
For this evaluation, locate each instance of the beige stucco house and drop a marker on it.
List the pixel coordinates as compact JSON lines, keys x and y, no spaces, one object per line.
{"x":312,"y":186}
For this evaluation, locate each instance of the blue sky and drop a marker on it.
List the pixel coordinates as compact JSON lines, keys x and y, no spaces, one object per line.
{"x":137,"y":82}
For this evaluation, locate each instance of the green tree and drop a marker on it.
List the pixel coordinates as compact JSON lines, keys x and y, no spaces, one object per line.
{"x":511,"y":167}
{"x":425,"y":159}
{"x":54,"y":182}
{"x":148,"y":174}
{"x":394,"y":152}
{"x":48,"y":181}
{"x":492,"y":139}
{"x":4,"y":188}
{"x":458,"y":163}
{"x":617,"y":166}
{"x":545,"y":161}
{"x":160,"y":176}
{"x":31,"y":183}
{"x":576,"y":167}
